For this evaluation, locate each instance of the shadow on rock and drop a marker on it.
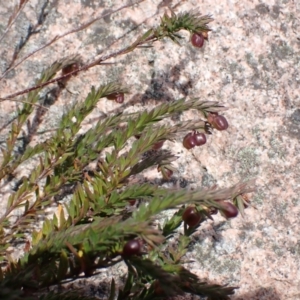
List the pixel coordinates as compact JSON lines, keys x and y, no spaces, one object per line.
{"x":259,"y":294}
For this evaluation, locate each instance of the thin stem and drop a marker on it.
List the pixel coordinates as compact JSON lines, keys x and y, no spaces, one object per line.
{"x":58,"y":37}
{"x":13,"y":17}
{"x":85,"y":67}
{"x":154,"y":35}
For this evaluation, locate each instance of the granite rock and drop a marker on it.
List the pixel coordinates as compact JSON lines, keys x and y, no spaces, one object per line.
{"x":250,"y":64}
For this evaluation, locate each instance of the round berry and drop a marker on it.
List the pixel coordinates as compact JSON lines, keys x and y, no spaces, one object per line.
{"x":189,"y":141}
{"x":132,"y":202}
{"x":111,"y":97}
{"x":132,"y":247}
{"x":220,"y":122}
{"x":228,"y":210}
{"x":118,"y":97}
{"x":199,"y":138}
{"x":197,"y":40}
{"x":70,"y":68}
{"x":158,"y":145}
{"x":211,"y":117}
{"x":191,"y":216}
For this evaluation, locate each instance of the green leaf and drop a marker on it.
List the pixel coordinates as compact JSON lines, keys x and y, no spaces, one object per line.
{"x":239,"y":202}
{"x":10,"y":201}
{"x":171,"y":225}
{"x":63,"y":265}
{"x":112,"y":290}
{"x":55,"y":221}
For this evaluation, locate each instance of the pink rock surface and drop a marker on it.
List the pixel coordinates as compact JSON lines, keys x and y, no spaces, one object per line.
{"x":250,"y":64}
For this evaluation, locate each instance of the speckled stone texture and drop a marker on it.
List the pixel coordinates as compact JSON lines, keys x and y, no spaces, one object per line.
{"x":250,"y":64}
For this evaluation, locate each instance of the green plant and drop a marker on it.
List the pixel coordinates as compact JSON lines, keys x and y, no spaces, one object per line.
{"x":94,"y":228}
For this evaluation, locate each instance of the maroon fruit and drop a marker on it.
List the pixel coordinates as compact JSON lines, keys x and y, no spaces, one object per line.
{"x":211,"y":117}
{"x":111,"y":96}
{"x":191,"y":216}
{"x":193,"y":139}
{"x":197,"y":40}
{"x":132,"y":247}
{"x":70,"y":68}
{"x":200,"y":138}
{"x":132,"y":202}
{"x":118,"y":97}
{"x":189,"y":141}
{"x":65,"y":71}
{"x":158,"y":145}
{"x":228,"y":210}
{"x":220,"y":122}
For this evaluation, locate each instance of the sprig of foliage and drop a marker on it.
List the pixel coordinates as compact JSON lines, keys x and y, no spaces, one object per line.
{"x":193,"y":22}
{"x":89,"y":230}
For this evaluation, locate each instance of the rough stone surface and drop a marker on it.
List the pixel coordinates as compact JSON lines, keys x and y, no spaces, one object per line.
{"x":251,"y":64}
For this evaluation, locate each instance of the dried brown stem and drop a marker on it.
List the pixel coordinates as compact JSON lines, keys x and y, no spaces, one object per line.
{"x":96,"y":62}
{"x":14,"y":16}
{"x":58,"y":37}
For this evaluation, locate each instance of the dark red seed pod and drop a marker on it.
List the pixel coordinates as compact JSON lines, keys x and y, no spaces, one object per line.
{"x":197,"y":40}
{"x":118,"y":97}
{"x":70,"y":68}
{"x":111,"y":97}
{"x":191,"y":216}
{"x":211,"y":117}
{"x":228,"y":210}
{"x":189,"y":141}
{"x":220,"y":122}
{"x":132,"y":247}
{"x":132,"y":202}
{"x":158,"y":145}
{"x":199,"y":138}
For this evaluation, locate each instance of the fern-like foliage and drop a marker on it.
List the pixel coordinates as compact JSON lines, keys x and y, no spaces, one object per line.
{"x":88,"y":231}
